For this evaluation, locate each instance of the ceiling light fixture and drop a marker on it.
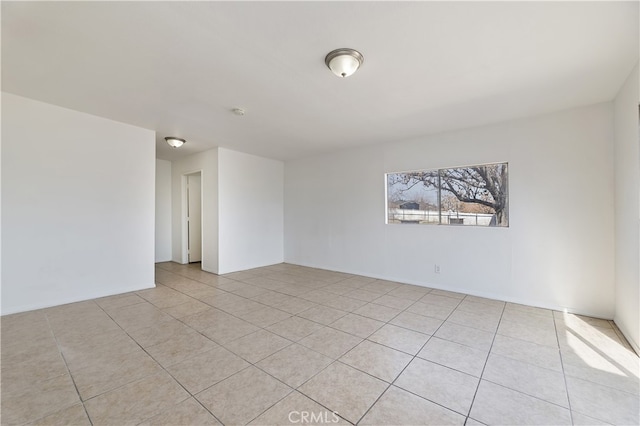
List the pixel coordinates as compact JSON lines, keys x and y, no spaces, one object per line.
{"x":174,"y":142}
{"x":344,"y":62}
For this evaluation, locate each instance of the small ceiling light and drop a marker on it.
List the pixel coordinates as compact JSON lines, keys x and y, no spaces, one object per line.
{"x":344,"y":62}
{"x":238,"y":111}
{"x":174,"y":142}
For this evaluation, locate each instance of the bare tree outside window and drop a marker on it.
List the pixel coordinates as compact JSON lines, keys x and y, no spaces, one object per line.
{"x":474,"y":195}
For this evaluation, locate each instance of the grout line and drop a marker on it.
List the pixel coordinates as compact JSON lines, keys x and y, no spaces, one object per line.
{"x":486,"y":361}
{"x":564,"y":376}
{"x":68,"y":369}
{"x":408,"y":364}
{"x":149,"y":375}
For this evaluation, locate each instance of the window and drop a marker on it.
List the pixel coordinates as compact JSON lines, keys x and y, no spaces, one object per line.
{"x":472,"y":195}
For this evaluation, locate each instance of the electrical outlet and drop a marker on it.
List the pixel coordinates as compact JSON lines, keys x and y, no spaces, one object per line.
{"x":436,"y":269}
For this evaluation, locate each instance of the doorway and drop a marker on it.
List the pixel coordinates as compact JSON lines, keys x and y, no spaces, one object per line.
{"x":194,"y":217}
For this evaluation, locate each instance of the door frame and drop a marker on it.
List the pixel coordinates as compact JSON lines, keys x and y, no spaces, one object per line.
{"x":184,"y":252}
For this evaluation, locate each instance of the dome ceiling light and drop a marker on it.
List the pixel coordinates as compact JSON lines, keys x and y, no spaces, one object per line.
{"x":344,"y":62}
{"x":174,"y":142}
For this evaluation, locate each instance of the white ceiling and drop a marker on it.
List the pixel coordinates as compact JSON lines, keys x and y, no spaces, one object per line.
{"x":180,"y":67}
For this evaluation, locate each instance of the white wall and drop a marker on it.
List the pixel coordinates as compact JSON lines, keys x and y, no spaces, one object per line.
{"x":163,"y":211}
{"x":558,"y":251}
{"x":251,"y":204}
{"x":627,"y":202}
{"x":207,"y":163}
{"x":78,"y":199}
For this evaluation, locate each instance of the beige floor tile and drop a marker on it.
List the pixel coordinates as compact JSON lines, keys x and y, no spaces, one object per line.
{"x":399,"y":407}
{"x":395,"y":337}
{"x":28,"y":349}
{"x":528,"y":318}
{"x":14,"y":335}
{"x":204,"y":319}
{"x":271,"y":298}
{"x":436,"y":298}
{"x":480,"y":305}
{"x":206,"y":369}
{"x":582,"y":420}
{"x":338,"y":288}
{"x":204,"y":292}
{"x":330,"y":342}
{"x":19,"y":375}
{"x":344,"y":303}
{"x":256,"y":346}
{"x":295,"y":328}
{"x":454,"y":355}
{"x":533,"y":352}
{"x":74,"y":416}
{"x":610,"y":374}
{"x":450,"y":294}
{"x":296,"y":408}
{"x":345,"y":390}
{"x":221,"y":300}
{"x":112,"y":372}
{"x":569,"y":337}
{"x":357,"y":325}
{"x":543,"y":335}
{"x":322,"y":314}
{"x":377,"y":312}
{"x":294,"y":364}
{"x":481,"y":321}
{"x":412,"y":293}
{"x":265,"y":316}
{"x":24,"y":320}
{"x":611,"y":357}
{"x":266,"y":283}
{"x":393,"y":302}
{"x":528,"y":309}
{"x":182,"y":310}
{"x":97,"y":349}
{"x":38,"y":400}
{"x":521,"y":350}
{"x":449,"y":388}
{"x":379,"y":361}
{"x":498,"y":405}
{"x":180,"y":347}
{"x":295,"y":305}
{"x":526,"y":378}
{"x":243,"y":396}
{"x":573,"y":320}
{"x":429,"y":310}
{"x":228,"y":328}
{"x":381,"y":286}
{"x":249,"y":291}
{"x":136,"y":401}
{"x":64,"y":312}
{"x":164,"y":297}
{"x":464,"y":335}
{"x":83,"y":327}
{"x":360,"y":280}
{"x":140,"y":315}
{"x":602,"y":402}
{"x":362,"y":294}
{"x":118,"y":301}
{"x":160,"y":333}
{"x":415,"y":322}
{"x":242,"y":307}
{"x":318,"y":296}
{"x":188,"y":412}
{"x":473,"y":422}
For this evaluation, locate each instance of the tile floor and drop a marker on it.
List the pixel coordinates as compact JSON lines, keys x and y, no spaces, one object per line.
{"x":291,"y":345}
